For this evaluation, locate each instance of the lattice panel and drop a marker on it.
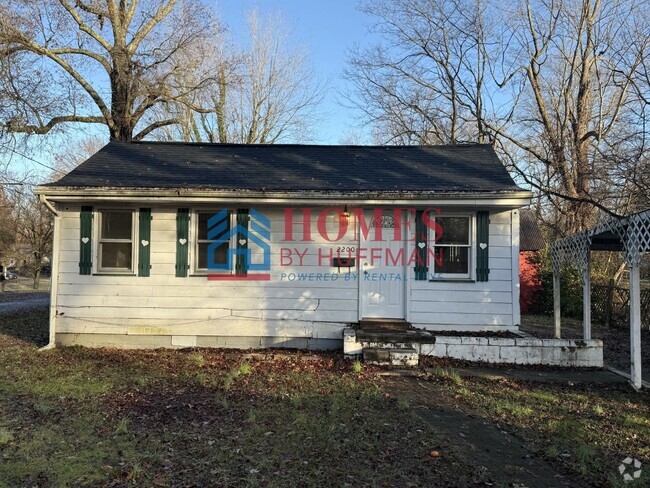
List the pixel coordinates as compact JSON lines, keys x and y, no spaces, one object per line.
{"x":634,"y":233}
{"x":638,"y":238}
{"x":572,"y":250}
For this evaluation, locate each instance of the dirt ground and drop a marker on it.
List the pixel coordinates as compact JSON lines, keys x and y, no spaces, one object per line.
{"x":616,"y":340}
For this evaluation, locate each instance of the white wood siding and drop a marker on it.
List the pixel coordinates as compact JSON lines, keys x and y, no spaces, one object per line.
{"x":450,"y":304}
{"x":165,"y":305}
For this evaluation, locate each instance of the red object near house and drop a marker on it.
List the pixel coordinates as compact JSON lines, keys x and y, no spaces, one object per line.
{"x":531,"y":242}
{"x":530,"y":282}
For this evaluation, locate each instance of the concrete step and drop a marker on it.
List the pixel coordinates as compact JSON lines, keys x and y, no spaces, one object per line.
{"x":404,"y":357}
{"x":397,"y":336}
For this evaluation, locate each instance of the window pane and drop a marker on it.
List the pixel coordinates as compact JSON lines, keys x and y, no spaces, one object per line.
{"x":220,"y":255}
{"x":453,"y":260}
{"x":455,"y":230}
{"x":115,"y":255}
{"x":203,"y":217}
{"x":116,"y":224}
{"x":203,"y":228}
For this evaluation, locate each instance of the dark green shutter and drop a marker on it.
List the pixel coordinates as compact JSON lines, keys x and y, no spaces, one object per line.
{"x":85,"y":240}
{"x":242,"y":241}
{"x":182,"y":241}
{"x":482,"y":245}
{"x":421,"y":268}
{"x":144,"y":246}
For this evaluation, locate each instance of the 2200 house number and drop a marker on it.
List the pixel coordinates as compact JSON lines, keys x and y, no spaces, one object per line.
{"x":345,"y":249}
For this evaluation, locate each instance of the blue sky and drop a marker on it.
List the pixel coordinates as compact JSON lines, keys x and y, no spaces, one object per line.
{"x":327,"y":29}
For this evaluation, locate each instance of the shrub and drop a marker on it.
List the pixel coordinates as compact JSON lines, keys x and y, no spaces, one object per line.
{"x":570,"y":288}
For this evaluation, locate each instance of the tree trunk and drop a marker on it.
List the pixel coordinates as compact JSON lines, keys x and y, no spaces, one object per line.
{"x":220,"y":109}
{"x":37,"y":279}
{"x":121,"y":76}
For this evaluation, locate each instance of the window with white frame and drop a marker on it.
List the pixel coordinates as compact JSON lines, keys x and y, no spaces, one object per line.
{"x":116,"y":231}
{"x":204,"y":245}
{"x":452,"y":244}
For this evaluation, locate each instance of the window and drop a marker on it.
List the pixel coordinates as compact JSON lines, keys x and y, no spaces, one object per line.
{"x":204,"y":245}
{"x":116,"y":232}
{"x":452,"y":246}
{"x":385,"y":222}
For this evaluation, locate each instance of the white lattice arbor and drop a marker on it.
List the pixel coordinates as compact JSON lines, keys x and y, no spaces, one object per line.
{"x":630,"y":235}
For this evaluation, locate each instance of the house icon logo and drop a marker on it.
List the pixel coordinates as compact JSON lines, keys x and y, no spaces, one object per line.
{"x":246,"y":246}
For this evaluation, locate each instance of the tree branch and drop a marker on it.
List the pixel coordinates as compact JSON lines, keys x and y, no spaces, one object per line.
{"x":155,"y":125}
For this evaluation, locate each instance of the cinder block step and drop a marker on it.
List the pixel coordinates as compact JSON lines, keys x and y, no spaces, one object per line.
{"x":406,"y":357}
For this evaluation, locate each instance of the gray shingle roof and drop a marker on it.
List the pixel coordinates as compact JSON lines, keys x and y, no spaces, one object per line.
{"x":461,"y":168}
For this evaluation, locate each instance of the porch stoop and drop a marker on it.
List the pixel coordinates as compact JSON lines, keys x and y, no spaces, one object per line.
{"x":403,"y":346}
{"x":389,"y":343}
{"x":405,"y":357}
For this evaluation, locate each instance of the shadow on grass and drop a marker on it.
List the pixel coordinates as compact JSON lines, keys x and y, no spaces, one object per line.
{"x":584,"y":430}
{"x":31,"y":326}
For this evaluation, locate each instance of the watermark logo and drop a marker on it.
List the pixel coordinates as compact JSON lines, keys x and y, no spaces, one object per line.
{"x":381,"y":242}
{"x":240,"y":243}
{"x":630,"y":469}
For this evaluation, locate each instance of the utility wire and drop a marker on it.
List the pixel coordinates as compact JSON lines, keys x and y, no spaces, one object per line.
{"x":34,"y":160}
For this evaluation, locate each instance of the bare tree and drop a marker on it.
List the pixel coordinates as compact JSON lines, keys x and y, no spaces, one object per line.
{"x":75,"y":153}
{"x":425,"y":81}
{"x":34,"y":230}
{"x":562,"y":88}
{"x":97,"y":62}
{"x":264,"y":92}
{"x":7,"y":231}
{"x":572,"y":74}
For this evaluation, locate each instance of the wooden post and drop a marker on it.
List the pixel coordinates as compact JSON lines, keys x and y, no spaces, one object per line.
{"x":635,"y":326}
{"x":556,"y":304}
{"x":610,"y":302}
{"x":586,"y":300}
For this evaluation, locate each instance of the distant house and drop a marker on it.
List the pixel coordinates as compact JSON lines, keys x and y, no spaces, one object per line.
{"x":531,"y":244}
{"x":177,"y":245}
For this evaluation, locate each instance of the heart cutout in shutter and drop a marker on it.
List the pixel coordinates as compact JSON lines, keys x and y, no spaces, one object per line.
{"x":182,"y":241}
{"x":144,"y":242}
{"x":482,"y":245}
{"x":85,"y":240}
{"x":242,"y":242}
{"x":421,"y":245}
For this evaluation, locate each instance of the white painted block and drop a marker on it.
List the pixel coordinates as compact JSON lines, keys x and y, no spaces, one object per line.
{"x":438,"y":350}
{"x":529,"y":342}
{"x":520,"y":355}
{"x":184,"y":341}
{"x":550,"y":355}
{"x":460,"y":351}
{"x":350,"y":345}
{"x":448,"y":340}
{"x":488,"y":354}
{"x":404,"y":357}
{"x":474,"y":340}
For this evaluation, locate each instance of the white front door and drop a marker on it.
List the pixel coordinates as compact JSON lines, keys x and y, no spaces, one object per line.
{"x":383,"y":271}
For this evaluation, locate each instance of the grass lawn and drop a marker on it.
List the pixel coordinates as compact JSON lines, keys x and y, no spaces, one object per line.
{"x":91,"y":417}
{"x":26,"y":284}
{"x":87,"y":417}
{"x":583,"y":429}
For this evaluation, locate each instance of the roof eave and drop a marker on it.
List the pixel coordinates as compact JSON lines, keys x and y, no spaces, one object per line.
{"x":103,"y":192}
{"x":511,"y":199}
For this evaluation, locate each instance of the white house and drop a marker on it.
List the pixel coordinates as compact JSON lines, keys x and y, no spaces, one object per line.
{"x":177,"y":245}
